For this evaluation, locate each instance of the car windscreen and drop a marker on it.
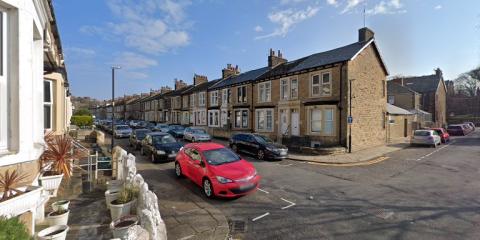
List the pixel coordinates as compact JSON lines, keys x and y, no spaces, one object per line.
{"x":422,"y":133}
{"x":262,"y":139}
{"x":163,"y":139}
{"x":141,"y":133}
{"x":122,"y":127}
{"x":199,"y":131}
{"x":178,"y":128}
{"x":220,"y":156}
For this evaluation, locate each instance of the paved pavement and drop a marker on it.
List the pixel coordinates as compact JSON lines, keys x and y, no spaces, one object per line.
{"x":417,"y":193}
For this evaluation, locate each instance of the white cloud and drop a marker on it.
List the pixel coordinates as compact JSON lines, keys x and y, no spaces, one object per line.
{"x":390,"y":7}
{"x":332,"y":2}
{"x":351,"y":4}
{"x":438,"y":7}
{"x":150,"y":26}
{"x":133,"y":61}
{"x":258,"y":28}
{"x":284,"y":2}
{"x":83,"y":52}
{"x":286,"y":19}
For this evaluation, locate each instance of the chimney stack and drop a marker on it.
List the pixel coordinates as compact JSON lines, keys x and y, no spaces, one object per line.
{"x":230,"y":71}
{"x":273,"y":60}
{"x":179,"y":84}
{"x":438,"y":72}
{"x":199,"y":79}
{"x":365,"y":34}
{"x":165,"y":89}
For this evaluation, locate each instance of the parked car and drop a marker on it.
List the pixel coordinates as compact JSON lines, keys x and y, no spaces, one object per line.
{"x":141,"y":124}
{"x":133,"y":123}
{"x":260,"y":146}
{"x":218,"y":170}
{"x":161,"y":127}
{"x":444,"y":136}
{"x":176,"y":130}
{"x":160,"y":147}
{"x":471,"y":124}
{"x":150,"y":126}
{"x":137,"y":136}
{"x":122,"y":131}
{"x":456,"y":130}
{"x":195,"y":134}
{"x":426,"y":137}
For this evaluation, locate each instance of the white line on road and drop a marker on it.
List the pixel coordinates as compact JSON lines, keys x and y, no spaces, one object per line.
{"x":429,"y":154}
{"x":261,"y":216}
{"x":291,"y":203}
{"x":263,"y":190}
{"x":187,"y":237}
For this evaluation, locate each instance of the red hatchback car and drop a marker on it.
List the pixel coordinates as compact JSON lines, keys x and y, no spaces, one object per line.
{"x":444,"y":136}
{"x":218,"y":170}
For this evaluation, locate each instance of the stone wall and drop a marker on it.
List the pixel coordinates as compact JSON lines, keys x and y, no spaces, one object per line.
{"x":369,"y":98}
{"x":396,"y":128}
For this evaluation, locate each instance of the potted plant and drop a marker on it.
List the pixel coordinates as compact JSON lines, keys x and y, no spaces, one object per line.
{"x":58,"y":217}
{"x":13,"y":228}
{"x":115,"y":185}
{"x":120,"y":226}
{"x":111,"y":195}
{"x":57,"y":232}
{"x":57,"y":161}
{"x":124,"y":203}
{"x":62,"y":204}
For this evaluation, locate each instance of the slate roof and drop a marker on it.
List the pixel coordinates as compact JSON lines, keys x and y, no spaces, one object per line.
{"x":396,"y":110}
{"x":201,"y":87}
{"x":241,"y":78}
{"x":422,"y":84}
{"x":337,"y":55}
{"x":393,"y":87}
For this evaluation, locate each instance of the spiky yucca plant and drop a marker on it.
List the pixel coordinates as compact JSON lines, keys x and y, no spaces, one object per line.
{"x":9,"y":182}
{"x":59,"y":153}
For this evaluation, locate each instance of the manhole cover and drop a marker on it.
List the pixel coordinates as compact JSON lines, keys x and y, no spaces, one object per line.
{"x":237,"y":226}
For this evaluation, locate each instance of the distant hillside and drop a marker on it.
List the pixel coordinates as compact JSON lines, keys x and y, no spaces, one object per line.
{"x":84,"y":102}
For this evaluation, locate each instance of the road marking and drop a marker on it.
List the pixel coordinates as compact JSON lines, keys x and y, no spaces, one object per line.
{"x":285,"y":165}
{"x":261,"y":216}
{"x":263,"y":190}
{"x":436,"y":150}
{"x":291,"y":203}
{"x":353,"y":164}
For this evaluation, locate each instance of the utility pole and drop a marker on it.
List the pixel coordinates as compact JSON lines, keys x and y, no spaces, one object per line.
{"x":113,"y":106}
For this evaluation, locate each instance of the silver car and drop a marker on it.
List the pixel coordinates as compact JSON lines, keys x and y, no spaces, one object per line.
{"x":196,"y":135}
{"x":426,"y":137}
{"x":122,"y":131}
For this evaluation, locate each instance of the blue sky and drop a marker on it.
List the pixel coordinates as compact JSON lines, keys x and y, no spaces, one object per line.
{"x":156,"y":41}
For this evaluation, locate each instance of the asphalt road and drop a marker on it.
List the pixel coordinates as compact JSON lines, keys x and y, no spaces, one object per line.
{"x":418,"y":193}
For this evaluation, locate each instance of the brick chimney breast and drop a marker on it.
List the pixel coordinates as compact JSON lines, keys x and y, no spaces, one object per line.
{"x":230,"y":71}
{"x":179,"y":84}
{"x":275,"y":60}
{"x":365,"y":34}
{"x":199,"y":79}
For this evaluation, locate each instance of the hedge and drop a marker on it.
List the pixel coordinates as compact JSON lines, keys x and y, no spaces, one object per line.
{"x":82,"y":121}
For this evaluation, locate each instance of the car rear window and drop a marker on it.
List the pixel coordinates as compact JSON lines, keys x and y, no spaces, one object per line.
{"x":422,"y":133}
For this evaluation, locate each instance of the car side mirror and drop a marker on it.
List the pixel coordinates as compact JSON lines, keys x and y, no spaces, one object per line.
{"x":202,"y":164}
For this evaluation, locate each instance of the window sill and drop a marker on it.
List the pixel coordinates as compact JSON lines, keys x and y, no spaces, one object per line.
{"x":264,"y":131}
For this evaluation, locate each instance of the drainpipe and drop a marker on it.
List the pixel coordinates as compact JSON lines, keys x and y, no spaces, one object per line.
{"x":342,"y":75}
{"x":350,"y":115}
{"x":252,"y":121}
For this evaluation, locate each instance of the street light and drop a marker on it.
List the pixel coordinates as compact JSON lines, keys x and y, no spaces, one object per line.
{"x":113,"y":104}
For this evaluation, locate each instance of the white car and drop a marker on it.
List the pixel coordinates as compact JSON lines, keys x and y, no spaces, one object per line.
{"x":426,"y":137}
{"x":196,"y":135}
{"x":121,"y":131}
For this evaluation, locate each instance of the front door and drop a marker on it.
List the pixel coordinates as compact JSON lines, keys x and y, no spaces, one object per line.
{"x":283,"y":122}
{"x":405,"y":127}
{"x":295,"y":123}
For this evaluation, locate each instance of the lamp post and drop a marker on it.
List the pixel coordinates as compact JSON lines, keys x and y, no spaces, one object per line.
{"x":113,"y":105}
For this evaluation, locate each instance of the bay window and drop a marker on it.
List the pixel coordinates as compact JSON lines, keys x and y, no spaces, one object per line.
{"x":47,"y":104}
{"x":213,"y":118}
{"x":224,"y":117}
{"x":225,"y":96}
{"x":192,"y":100}
{"x":322,"y":120}
{"x":264,"y":92}
{"x":264,"y":120}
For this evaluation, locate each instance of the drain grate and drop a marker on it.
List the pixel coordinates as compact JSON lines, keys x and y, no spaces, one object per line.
{"x":237,"y":226}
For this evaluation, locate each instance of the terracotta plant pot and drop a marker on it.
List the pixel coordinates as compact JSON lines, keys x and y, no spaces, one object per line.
{"x":119,"y":210}
{"x":62,"y":219}
{"x":58,"y":232}
{"x":120,"y":226}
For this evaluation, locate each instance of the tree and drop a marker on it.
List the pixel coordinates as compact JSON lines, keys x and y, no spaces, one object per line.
{"x":467,"y":83}
{"x":82,"y":112}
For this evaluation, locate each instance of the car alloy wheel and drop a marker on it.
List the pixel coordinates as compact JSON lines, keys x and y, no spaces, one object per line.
{"x":207,"y":188}
{"x":260,"y":155}
{"x":153,"y":158}
{"x":178,"y":170}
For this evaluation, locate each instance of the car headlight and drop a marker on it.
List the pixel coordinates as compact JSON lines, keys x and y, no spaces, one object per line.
{"x":223,"y":180}
{"x":160,"y":152}
{"x":272,"y":149}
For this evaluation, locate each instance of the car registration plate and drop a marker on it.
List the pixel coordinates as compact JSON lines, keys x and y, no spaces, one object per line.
{"x":172,"y":155}
{"x":246,"y":186}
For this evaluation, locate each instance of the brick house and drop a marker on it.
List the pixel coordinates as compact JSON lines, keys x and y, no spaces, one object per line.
{"x":434,"y":94}
{"x":310,"y":96}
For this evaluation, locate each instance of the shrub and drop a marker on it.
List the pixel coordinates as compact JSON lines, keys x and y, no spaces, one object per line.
{"x":13,"y":229}
{"x":82,"y":112}
{"x":82,"y":121}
